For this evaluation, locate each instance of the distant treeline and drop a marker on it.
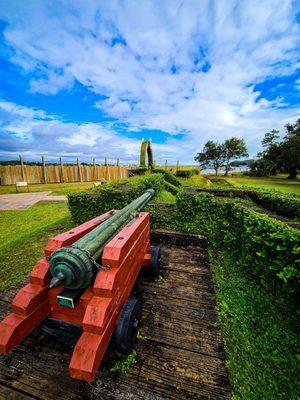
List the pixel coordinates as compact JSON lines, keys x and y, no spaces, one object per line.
{"x":17,"y":162}
{"x":239,"y":163}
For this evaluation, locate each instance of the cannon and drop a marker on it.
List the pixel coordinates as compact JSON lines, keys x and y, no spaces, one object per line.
{"x":85,"y":280}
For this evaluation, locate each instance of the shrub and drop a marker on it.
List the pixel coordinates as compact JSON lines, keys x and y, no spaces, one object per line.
{"x":116,"y":195}
{"x":267,"y":249}
{"x":182,"y":173}
{"x":137,"y":171}
{"x":171,"y":188}
{"x":281,"y":204}
{"x":254,"y":261}
{"x":286,"y":205}
{"x":168,"y":176}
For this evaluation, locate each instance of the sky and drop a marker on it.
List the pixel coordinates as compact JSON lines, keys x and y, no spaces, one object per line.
{"x":93,"y":78}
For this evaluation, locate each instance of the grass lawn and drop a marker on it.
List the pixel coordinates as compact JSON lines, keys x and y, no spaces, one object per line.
{"x":195,"y":181}
{"x":23,"y":235}
{"x":278,"y":183}
{"x":259,"y":334}
{"x":56,"y":188}
{"x":17,"y":225}
{"x":164,"y":197}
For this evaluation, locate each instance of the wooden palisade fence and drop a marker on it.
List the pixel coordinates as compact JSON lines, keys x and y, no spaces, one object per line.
{"x":46,"y":173}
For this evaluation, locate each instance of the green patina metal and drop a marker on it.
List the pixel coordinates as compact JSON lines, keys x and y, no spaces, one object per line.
{"x":75,"y":266}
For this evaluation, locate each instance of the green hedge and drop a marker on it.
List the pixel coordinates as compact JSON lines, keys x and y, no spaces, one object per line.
{"x":265,"y":248}
{"x":285,"y":205}
{"x":168,"y":176}
{"x":182,"y":173}
{"x":171,"y":188}
{"x":268,"y":250}
{"x":116,"y":195}
{"x":138,"y":170}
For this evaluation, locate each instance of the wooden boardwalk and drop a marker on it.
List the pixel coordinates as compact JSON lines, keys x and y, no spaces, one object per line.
{"x":182,"y":357}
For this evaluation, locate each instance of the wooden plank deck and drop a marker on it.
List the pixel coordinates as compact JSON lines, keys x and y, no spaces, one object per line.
{"x":182,"y":358}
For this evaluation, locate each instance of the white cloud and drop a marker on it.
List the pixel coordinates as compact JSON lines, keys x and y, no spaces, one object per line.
{"x":129,"y":52}
{"x":35,"y":132}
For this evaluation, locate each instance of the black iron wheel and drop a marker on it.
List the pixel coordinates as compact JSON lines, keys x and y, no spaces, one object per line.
{"x":128,"y":325}
{"x":154,"y":266}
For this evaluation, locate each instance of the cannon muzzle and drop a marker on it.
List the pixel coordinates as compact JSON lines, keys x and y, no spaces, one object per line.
{"x":75,"y":266}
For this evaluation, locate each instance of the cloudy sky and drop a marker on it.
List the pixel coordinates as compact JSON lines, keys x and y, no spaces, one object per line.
{"x":92,"y":78}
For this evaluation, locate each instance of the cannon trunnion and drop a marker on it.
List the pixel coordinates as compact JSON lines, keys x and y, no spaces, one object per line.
{"x":86,"y":278}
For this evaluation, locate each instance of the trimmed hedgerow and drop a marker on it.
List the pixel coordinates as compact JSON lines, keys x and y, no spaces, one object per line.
{"x":168,"y":176}
{"x":259,"y":335}
{"x":267,"y":249}
{"x":285,"y":205}
{"x":254,"y":263}
{"x":171,"y":188}
{"x":137,"y":171}
{"x":282,"y":205}
{"x":182,"y":173}
{"x":116,"y":195}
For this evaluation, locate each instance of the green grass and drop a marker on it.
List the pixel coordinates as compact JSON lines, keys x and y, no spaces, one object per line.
{"x":259,"y":337}
{"x":277,"y":183}
{"x":55,"y":188}
{"x":23,"y":236}
{"x":18,"y":258}
{"x":164,"y":197}
{"x":17,"y":225}
{"x":195,"y":181}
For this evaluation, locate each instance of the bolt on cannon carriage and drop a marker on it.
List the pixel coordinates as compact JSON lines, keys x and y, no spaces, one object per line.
{"x":85,"y":279}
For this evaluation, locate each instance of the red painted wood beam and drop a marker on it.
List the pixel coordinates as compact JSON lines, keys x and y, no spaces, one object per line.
{"x":125,"y":255}
{"x":71,"y":236}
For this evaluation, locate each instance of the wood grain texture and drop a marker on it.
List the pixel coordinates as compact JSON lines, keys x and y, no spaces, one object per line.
{"x":181,"y":359}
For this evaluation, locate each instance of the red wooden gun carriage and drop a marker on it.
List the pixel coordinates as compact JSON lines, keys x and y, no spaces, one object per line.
{"x":86,"y":278}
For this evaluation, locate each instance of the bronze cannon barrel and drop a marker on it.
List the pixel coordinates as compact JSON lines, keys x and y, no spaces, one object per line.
{"x":74,"y":266}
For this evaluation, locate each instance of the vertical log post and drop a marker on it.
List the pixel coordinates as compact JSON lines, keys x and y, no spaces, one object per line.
{"x":118,"y":169}
{"x":22,"y":168}
{"x":62,"y":176}
{"x":44,"y":178}
{"x":177,"y":166}
{"x":166,"y":164}
{"x":79,"y":170}
{"x":106,"y":169}
{"x":94,"y":170}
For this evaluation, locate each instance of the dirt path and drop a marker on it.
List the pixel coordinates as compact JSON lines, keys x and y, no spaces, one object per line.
{"x":22,"y":201}
{"x":182,"y":357}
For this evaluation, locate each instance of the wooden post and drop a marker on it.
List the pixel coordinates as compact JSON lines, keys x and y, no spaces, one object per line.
{"x":106,"y":169}
{"x":62,"y":176}
{"x":118,"y":169}
{"x":177,"y":166}
{"x":44,"y":178}
{"x":22,"y":168}
{"x":166,"y":164}
{"x":79,"y":170}
{"x":94,"y":169}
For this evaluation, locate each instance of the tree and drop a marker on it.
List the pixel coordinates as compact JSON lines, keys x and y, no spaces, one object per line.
{"x":267,"y":164}
{"x":233,"y":148}
{"x":212,"y":155}
{"x":289,"y":155}
{"x":270,"y":139}
{"x":280,"y":155}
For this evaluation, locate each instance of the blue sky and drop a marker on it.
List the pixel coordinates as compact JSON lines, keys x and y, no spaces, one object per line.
{"x":91,"y":78}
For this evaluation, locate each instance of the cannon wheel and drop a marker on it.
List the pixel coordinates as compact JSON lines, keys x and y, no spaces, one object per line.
{"x":155,"y":261}
{"x":128,"y":325}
